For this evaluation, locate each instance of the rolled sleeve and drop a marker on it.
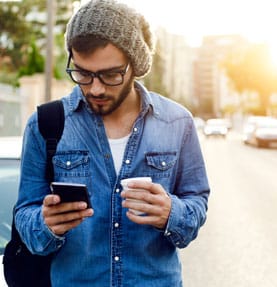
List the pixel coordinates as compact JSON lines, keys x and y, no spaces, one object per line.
{"x":186,"y":217}
{"x":35,"y":233}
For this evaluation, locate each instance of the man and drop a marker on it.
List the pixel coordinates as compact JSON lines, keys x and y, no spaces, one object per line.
{"x":114,"y":129}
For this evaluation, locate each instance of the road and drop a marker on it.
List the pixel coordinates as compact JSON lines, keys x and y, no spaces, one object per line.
{"x":238,"y":244}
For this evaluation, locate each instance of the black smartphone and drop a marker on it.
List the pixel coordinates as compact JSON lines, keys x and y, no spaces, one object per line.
{"x":70,"y":192}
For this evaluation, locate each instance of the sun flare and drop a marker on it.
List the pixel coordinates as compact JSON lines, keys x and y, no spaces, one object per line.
{"x":273,"y":53}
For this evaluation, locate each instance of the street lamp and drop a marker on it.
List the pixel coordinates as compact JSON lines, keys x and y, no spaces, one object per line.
{"x":49,"y":50}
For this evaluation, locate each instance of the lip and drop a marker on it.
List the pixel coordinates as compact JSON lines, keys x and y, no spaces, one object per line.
{"x":99,"y":101}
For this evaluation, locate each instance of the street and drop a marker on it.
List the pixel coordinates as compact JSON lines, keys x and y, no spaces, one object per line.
{"x":238,"y":244}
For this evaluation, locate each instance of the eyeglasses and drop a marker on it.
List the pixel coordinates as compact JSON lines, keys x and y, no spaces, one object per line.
{"x":109,"y":78}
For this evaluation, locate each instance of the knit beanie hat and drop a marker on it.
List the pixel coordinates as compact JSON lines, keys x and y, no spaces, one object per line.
{"x":121,"y":25}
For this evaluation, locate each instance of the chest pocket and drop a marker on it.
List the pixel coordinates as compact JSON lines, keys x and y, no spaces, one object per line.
{"x":161,"y":162}
{"x":71,"y":164}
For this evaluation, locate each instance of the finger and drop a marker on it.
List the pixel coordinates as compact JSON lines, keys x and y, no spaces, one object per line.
{"x":51,"y":199}
{"x":155,"y":221}
{"x":146,"y":207}
{"x":61,"y":218}
{"x":151,"y":187}
{"x":70,"y":206}
{"x":68,"y":216}
{"x":61,"y":208}
{"x":138,"y":194}
{"x":159,"y":199}
{"x":137,"y":184}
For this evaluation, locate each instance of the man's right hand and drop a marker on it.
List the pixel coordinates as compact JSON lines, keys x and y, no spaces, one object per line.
{"x":61,"y":217}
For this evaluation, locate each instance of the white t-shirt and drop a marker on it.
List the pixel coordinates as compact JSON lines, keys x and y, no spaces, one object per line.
{"x":118,"y":147}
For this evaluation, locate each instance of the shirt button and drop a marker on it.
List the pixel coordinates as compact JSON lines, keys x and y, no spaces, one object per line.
{"x":68,"y":163}
{"x":116,"y":225}
{"x":117,"y":190}
{"x":163,"y":163}
{"x":168,"y":233}
{"x":127,"y":161}
{"x":135,"y":129}
{"x":116,"y":258}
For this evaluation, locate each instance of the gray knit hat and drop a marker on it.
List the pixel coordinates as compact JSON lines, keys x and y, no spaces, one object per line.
{"x":119,"y":24}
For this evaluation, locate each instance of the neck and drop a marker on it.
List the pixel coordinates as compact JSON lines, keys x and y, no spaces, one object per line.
{"x":119,"y":124}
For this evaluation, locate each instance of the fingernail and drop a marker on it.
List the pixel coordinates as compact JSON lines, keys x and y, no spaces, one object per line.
{"x":82,"y":205}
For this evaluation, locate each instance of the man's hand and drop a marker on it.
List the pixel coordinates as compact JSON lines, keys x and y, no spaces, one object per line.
{"x":61,"y":217}
{"x":156,"y":203}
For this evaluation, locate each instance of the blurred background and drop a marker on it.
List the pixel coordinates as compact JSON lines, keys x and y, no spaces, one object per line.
{"x":218,"y":58}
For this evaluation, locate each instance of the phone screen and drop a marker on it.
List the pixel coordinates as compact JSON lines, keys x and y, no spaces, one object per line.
{"x":70,"y":192}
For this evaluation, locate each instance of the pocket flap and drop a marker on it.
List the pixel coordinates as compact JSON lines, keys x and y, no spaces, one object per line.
{"x":70,"y":160}
{"x":161,"y":161}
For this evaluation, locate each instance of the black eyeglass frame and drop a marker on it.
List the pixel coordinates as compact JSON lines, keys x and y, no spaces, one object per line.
{"x":94,"y":74}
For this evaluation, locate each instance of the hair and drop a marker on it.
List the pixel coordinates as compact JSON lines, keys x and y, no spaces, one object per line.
{"x":87,"y":44}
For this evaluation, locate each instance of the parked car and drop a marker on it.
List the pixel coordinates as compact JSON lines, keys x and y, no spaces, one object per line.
{"x":10,"y":149}
{"x":260,"y":131}
{"x":216,"y":127}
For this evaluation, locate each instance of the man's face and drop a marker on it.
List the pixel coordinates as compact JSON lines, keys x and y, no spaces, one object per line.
{"x":104,"y":99}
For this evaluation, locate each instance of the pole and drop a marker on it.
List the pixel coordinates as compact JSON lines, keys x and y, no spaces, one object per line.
{"x":49,"y":50}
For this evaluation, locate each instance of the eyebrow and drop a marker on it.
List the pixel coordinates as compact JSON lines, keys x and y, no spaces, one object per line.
{"x":100,"y":71}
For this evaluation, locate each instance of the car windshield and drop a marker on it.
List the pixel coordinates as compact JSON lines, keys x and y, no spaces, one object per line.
{"x":216,"y":122}
{"x":9,"y":176}
{"x":267,"y":124}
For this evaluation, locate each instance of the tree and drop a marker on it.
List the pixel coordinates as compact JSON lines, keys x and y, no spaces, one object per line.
{"x":154,"y":80}
{"x":252,"y":70}
{"x":34,"y":63}
{"x":21,"y":23}
{"x":17,"y":32}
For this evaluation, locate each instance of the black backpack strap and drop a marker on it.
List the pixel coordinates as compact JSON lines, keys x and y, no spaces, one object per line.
{"x":51,"y":125}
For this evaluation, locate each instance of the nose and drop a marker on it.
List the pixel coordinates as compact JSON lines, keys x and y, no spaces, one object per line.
{"x":97,"y":87}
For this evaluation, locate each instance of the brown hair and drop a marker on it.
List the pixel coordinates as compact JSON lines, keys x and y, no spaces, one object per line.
{"x":87,"y":44}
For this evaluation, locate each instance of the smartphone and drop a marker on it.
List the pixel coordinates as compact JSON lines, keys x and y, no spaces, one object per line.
{"x":70,"y":192}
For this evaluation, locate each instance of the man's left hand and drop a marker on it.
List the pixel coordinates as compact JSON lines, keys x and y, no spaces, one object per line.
{"x":153,"y":202}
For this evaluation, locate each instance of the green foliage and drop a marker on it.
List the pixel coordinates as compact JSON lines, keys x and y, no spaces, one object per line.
{"x":21,"y":23}
{"x":17,"y":32}
{"x":61,"y":58}
{"x":154,"y":80}
{"x":34,"y":63}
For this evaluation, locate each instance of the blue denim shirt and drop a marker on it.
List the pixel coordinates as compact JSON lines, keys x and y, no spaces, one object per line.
{"x":108,"y":249}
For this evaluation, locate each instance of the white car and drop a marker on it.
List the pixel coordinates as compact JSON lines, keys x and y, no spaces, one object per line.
{"x":10,"y":150}
{"x":216,"y":127}
{"x":260,"y":131}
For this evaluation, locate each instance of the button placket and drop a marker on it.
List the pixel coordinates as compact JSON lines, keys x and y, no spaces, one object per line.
{"x":116,"y":236}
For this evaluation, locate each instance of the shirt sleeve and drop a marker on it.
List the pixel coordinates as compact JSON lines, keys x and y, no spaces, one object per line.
{"x":190,"y":196}
{"x":33,"y":187}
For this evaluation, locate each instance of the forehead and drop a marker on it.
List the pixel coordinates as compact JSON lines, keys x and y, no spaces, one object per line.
{"x":101,"y":58}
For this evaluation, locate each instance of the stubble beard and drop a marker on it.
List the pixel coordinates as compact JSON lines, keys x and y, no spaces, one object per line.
{"x":103,"y":110}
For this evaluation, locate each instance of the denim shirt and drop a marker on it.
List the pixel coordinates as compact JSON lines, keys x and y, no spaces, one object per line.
{"x":108,"y":249}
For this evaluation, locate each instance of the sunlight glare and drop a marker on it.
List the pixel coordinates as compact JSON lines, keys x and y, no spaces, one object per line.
{"x":273,"y":53}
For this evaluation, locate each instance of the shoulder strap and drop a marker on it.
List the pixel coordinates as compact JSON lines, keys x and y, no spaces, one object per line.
{"x":51,"y":125}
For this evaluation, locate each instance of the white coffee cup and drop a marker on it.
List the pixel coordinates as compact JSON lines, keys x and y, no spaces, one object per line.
{"x":124,"y":183}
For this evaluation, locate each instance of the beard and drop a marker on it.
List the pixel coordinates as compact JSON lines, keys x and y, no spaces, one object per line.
{"x":112,"y":102}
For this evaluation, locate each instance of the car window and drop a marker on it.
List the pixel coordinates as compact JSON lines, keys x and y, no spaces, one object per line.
{"x":9,"y":176}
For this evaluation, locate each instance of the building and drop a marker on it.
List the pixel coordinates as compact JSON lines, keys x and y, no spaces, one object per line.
{"x":178,"y":58}
{"x":10,"y":113}
{"x":211,"y":88}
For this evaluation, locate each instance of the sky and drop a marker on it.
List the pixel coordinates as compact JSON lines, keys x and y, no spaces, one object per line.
{"x":254,"y":19}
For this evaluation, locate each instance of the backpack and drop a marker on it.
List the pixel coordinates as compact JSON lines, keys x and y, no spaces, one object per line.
{"x":21,"y":267}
